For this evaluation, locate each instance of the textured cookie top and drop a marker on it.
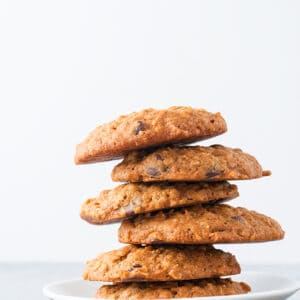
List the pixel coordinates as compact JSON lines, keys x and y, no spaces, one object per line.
{"x":131,"y":199}
{"x":200,"y":225}
{"x":148,"y":128}
{"x":161,"y":263}
{"x":167,"y":290}
{"x":189,"y":163}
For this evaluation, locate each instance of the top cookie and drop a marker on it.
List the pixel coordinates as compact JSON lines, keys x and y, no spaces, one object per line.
{"x":189,"y":163}
{"x":148,"y":128}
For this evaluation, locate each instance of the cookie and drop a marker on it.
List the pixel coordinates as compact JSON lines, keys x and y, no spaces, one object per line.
{"x":131,"y":199}
{"x":189,"y":163}
{"x":200,"y":224}
{"x":148,"y":128}
{"x":161,"y":263}
{"x":174,"y":289}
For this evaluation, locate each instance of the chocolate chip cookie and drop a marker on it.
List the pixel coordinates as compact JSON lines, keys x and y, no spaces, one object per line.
{"x":131,"y":199}
{"x":189,"y":163}
{"x":200,"y":224}
{"x":173,"y":289}
{"x":161,"y":263}
{"x":148,"y":128}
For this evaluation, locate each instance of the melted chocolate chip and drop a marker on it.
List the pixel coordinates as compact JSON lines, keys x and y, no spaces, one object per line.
{"x":133,"y":279}
{"x":135,"y":266}
{"x":165,"y":168}
{"x":157,"y":241}
{"x":129,"y":211}
{"x":238,"y":218}
{"x":158,"y":157}
{"x":153,"y":172}
{"x":140,"y":155}
{"x":140,"y":127}
{"x":213,"y":172}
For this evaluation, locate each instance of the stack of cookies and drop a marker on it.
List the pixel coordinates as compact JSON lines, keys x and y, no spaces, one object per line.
{"x":171,"y":206}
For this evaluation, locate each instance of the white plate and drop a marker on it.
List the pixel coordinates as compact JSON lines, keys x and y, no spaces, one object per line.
{"x":264,"y":287}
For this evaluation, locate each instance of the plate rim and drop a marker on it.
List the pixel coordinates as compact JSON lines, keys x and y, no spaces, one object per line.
{"x":293,"y":287}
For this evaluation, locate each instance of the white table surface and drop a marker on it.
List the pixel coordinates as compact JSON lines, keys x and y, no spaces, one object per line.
{"x":25,"y":281}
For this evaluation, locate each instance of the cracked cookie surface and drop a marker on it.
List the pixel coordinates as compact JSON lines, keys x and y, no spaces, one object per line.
{"x":161,"y":263}
{"x":168,"y":290}
{"x":148,"y":128}
{"x":131,"y":199}
{"x":200,"y":224}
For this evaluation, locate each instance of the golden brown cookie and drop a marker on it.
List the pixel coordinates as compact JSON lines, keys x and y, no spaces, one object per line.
{"x":199,"y":224}
{"x":173,"y":289}
{"x":189,"y":163}
{"x":148,"y":128}
{"x":161,"y":263}
{"x":131,"y":199}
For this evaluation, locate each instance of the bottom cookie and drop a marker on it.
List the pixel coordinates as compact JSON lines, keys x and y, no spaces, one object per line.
{"x":167,"y":290}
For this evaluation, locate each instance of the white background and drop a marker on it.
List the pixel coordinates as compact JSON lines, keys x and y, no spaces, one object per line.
{"x":67,"y":66}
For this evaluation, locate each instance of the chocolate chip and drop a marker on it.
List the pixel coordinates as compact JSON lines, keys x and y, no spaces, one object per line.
{"x":133,"y":279}
{"x":139,"y":155}
{"x":153,"y":172}
{"x":217,"y":229}
{"x":238,"y":218}
{"x":135,"y":266}
{"x":165,"y":168}
{"x":140,"y":127}
{"x":129,"y":211}
{"x":157,"y":241}
{"x":213,"y":172}
{"x":158,"y":157}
